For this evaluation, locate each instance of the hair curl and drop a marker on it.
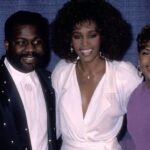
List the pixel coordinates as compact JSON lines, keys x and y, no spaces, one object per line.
{"x":143,"y":37}
{"x":114,"y":30}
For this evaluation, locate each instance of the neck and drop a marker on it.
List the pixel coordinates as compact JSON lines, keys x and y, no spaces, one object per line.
{"x":91,"y":66}
{"x":148,"y":83}
{"x":90,"y":69}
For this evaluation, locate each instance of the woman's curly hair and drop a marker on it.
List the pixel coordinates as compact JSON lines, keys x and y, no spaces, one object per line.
{"x":115,"y":32}
{"x":143,"y":37}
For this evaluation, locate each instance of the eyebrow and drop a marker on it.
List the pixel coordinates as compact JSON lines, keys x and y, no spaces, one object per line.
{"x":146,"y":49}
{"x":77,"y":31}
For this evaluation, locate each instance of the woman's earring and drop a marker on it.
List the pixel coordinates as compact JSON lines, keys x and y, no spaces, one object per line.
{"x":140,"y":73}
{"x":71,"y":50}
{"x":102,"y":55}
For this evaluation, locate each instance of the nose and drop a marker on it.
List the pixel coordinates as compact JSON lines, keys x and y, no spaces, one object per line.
{"x":30,"y":47}
{"x":85,"y":42}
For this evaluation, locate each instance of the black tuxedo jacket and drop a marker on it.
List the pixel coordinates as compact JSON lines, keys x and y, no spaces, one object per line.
{"x":13,"y":122}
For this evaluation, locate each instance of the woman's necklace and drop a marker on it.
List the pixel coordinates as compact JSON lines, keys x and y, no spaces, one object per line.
{"x":78,"y":66}
{"x":88,"y":77}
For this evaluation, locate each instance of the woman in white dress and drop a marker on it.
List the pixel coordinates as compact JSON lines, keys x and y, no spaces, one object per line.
{"x":92,"y":85}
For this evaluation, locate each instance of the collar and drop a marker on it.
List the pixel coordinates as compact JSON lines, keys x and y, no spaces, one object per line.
{"x":17,"y":75}
{"x":110,"y":83}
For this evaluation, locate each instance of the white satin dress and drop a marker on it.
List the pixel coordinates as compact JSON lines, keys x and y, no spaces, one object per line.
{"x":104,"y":116}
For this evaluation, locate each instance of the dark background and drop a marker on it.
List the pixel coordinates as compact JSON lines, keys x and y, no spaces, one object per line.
{"x":136,"y":12}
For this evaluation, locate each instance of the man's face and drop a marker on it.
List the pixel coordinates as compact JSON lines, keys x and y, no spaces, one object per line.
{"x":26,"y":49}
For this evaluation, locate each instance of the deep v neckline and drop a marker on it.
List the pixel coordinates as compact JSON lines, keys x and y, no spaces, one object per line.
{"x":93,"y":95}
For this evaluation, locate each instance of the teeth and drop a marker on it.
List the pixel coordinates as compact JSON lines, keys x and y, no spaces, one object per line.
{"x":28,"y":56}
{"x":86,"y":51}
{"x":28,"y":59}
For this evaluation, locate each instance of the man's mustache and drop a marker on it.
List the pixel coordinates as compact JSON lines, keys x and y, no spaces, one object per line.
{"x":33,"y":54}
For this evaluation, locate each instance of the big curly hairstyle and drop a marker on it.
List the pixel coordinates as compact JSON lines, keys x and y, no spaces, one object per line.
{"x":143,"y":37}
{"x":115,"y":32}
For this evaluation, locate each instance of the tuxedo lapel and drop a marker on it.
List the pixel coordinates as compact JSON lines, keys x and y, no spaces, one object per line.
{"x":14,"y":103}
{"x":48,"y":91}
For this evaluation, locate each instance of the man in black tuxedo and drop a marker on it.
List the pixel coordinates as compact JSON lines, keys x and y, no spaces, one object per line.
{"x":27,"y":103}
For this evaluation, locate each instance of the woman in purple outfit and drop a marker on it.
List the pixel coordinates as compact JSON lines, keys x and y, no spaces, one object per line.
{"x":138,"y":116}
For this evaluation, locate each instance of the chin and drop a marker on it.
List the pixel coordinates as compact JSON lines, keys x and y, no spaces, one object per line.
{"x":28,"y":68}
{"x":88,"y":60}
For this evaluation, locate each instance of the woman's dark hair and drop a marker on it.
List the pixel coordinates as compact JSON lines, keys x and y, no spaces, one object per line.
{"x":143,"y":37}
{"x":114,"y":30}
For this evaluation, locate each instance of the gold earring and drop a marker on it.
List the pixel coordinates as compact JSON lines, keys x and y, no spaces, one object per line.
{"x":102,"y":55}
{"x":71,"y":50}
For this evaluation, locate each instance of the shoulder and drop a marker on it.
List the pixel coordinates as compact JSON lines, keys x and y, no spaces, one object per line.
{"x":62,"y":68}
{"x":139,"y":90}
{"x":124,"y":66}
{"x":126,"y":75}
{"x":44,"y":73}
{"x":137,"y":98}
{"x":62,"y":64}
{"x":45,"y":77}
{"x":61,"y":72}
{"x":125,"y":70}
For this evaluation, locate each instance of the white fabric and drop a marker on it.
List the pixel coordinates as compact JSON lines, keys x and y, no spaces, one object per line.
{"x":103,"y":119}
{"x":32,"y":97}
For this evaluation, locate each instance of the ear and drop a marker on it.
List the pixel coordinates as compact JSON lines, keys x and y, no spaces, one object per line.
{"x":6,"y":44}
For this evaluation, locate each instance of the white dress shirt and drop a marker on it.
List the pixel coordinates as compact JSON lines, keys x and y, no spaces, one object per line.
{"x":32,"y":97}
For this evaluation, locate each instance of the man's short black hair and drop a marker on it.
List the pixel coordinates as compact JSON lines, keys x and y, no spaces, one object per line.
{"x":25,"y":18}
